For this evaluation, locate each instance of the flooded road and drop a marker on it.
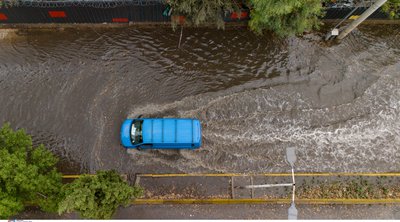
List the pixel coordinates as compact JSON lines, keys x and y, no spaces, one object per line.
{"x":339,"y":105}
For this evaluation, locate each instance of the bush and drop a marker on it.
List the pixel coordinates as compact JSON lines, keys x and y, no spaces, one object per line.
{"x":392,"y":7}
{"x":27,"y":174}
{"x":285,"y":17}
{"x":97,"y":196}
{"x":199,"y":12}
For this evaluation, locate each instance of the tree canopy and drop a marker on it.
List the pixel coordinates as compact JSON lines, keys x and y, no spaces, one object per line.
{"x":198,"y":12}
{"x":27,"y":174}
{"x":97,"y":196}
{"x":284,"y":17}
{"x":392,"y":7}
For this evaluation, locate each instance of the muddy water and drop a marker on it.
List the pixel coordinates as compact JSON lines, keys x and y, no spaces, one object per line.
{"x":339,"y":104}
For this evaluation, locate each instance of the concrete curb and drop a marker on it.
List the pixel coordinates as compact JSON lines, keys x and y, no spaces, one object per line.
{"x":265,"y":201}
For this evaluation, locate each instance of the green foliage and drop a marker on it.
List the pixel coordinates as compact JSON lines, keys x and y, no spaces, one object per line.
{"x":9,"y":205}
{"x":199,"y":12}
{"x":392,"y":7}
{"x":350,"y":188}
{"x":285,"y":17}
{"x":97,"y":196}
{"x":27,"y":174}
{"x":8,"y":3}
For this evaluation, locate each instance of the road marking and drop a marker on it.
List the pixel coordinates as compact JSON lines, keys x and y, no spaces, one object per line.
{"x":353,"y":17}
{"x":70,"y":176}
{"x":265,"y":201}
{"x":124,"y":176}
{"x":395,"y":174}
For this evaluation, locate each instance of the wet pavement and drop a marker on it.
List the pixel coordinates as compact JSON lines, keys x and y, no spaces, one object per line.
{"x":241,"y":211}
{"x":259,"y":211}
{"x":338,"y":104}
{"x":307,"y":187}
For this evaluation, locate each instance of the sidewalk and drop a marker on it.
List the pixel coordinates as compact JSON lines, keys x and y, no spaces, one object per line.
{"x":257,"y":211}
{"x":215,"y":188}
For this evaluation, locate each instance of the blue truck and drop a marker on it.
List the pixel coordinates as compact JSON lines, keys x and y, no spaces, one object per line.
{"x":163,"y":133}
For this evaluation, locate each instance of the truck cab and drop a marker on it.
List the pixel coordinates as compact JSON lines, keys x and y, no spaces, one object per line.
{"x":163,"y":133}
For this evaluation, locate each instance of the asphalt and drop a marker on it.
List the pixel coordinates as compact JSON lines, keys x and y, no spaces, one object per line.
{"x":237,"y":211}
{"x":258,"y":211}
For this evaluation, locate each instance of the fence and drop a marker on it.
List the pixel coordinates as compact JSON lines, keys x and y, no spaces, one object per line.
{"x":115,"y":11}
{"x":84,"y":12}
{"x":340,"y":13}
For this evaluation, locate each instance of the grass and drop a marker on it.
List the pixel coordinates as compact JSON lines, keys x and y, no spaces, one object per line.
{"x":358,"y":188}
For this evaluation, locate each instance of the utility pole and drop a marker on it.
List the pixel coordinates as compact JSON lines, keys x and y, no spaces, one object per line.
{"x":362,"y":17}
{"x":291,"y":159}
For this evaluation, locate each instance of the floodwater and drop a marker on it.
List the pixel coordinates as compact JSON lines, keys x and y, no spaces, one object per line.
{"x":339,"y":105}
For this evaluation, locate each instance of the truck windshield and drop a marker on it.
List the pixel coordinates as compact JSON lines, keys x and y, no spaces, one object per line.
{"x":136,"y":132}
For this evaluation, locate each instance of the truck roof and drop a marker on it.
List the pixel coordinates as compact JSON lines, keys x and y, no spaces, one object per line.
{"x":171,"y":131}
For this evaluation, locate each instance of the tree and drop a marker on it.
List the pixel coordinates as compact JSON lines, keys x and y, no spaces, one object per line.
{"x":8,"y":3}
{"x":27,"y":174}
{"x":199,"y":12}
{"x":97,"y":196}
{"x":392,"y":7}
{"x":285,"y":17}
